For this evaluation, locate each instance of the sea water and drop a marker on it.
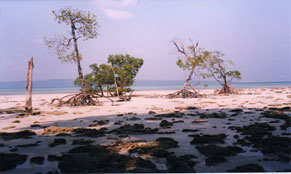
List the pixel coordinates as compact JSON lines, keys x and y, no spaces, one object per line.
{"x":148,"y":85}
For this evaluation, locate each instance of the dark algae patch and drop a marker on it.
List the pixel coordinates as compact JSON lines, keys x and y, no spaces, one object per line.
{"x":207,"y":139}
{"x":29,"y":145}
{"x":37,"y":160}
{"x":90,"y":132}
{"x":16,"y":135}
{"x":221,"y":115}
{"x":248,"y":168}
{"x":100,"y":159}
{"x":216,"y":154}
{"x":166,"y":124}
{"x":157,"y":148}
{"x":259,"y":135}
{"x":134,"y":129}
{"x":279,"y":114}
{"x":58,"y":141}
{"x":9,"y":161}
{"x":181,"y":164}
{"x":82,"y":142}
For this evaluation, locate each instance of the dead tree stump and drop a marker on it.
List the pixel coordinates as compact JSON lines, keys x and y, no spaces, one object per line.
{"x":28,"y":105}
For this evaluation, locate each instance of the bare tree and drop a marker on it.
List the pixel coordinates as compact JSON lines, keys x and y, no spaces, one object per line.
{"x":83,"y":25}
{"x":192,"y":58}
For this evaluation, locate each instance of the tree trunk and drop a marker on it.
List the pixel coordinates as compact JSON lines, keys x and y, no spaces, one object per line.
{"x":189,"y":78}
{"x":83,"y":89}
{"x":28,"y":106}
{"x":101,"y":89}
{"x":115,"y":82}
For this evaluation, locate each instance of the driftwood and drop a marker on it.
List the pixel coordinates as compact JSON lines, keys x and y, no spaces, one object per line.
{"x":79,"y":99}
{"x":28,"y":105}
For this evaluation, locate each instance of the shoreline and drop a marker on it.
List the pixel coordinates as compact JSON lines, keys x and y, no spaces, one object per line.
{"x":37,"y":91}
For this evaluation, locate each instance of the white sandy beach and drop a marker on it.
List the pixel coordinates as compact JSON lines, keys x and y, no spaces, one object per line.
{"x":252,"y":101}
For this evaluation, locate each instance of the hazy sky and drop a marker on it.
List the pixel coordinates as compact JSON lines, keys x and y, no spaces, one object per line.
{"x":254,"y":34}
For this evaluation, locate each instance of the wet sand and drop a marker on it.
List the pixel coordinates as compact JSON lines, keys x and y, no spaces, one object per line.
{"x":264,"y":111}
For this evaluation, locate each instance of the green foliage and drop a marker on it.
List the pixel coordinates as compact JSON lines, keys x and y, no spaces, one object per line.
{"x":191,"y":60}
{"x":89,"y":83}
{"x":100,"y":76}
{"x":217,"y":68}
{"x":126,"y":68}
{"x":82,"y":24}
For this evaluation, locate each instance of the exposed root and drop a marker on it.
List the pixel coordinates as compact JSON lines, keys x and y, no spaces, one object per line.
{"x":79,"y":99}
{"x":125,"y":97}
{"x":184,"y":93}
{"x":226,"y":90}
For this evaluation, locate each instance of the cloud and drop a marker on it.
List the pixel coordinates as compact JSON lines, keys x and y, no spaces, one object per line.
{"x":116,"y":14}
{"x":128,"y":2}
{"x":115,"y":3}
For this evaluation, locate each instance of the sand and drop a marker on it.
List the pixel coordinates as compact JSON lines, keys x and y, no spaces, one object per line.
{"x":252,"y":101}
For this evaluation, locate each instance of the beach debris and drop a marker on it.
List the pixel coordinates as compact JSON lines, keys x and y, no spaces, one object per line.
{"x":102,"y":159}
{"x":216,"y":154}
{"x":9,"y":161}
{"x":37,"y":160}
{"x":134,"y":129}
{"x":58,"y":141}
{"x":57,"y":130}
{"x":16,"y":135}
{"x":207,"y":139}
{"x":250,"y":168}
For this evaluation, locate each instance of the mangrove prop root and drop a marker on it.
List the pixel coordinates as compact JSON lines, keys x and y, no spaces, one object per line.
{"x":79,"y":99}
{"x":226,"y":90}
{"x":184,"y":93}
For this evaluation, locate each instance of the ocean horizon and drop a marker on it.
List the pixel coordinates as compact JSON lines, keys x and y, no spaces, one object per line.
{"x":67,"y":86}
